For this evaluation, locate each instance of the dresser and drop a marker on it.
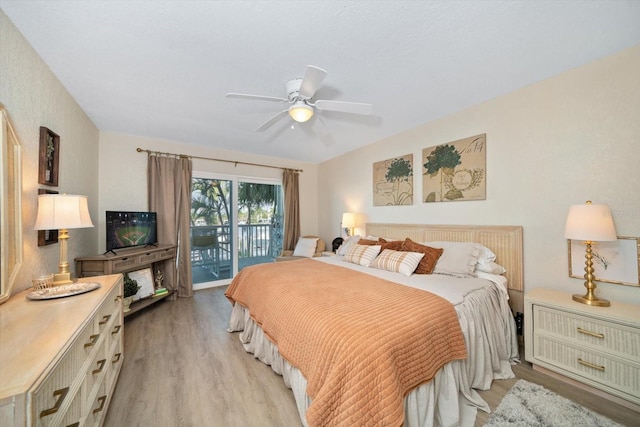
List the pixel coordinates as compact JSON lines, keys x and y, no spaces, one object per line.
{"x":595,"y":346}
{"x":60,"y":358}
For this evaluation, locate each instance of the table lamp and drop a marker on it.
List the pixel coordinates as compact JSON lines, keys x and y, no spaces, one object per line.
{"x":348,"y":222}
{"x":590,"y":223}
{"x":62,"y":212}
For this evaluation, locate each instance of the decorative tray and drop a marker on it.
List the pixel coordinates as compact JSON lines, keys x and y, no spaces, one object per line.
{"x":62,"y":291}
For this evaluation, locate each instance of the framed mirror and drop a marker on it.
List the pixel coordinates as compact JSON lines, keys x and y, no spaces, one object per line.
{"x":10,"y":206}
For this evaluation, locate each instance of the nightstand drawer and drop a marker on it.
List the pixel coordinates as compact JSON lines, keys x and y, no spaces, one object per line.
{"x":598,"y":334}
{"x":617,"y":374}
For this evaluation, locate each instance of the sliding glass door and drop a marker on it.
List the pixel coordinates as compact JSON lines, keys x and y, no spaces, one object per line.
{"x":234,"y":223}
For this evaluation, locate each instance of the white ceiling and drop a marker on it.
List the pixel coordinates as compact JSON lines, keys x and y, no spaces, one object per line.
{"x":161,"y":68}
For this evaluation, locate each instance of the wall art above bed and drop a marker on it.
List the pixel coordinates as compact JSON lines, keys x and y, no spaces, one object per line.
{"x":393,"y":181}
{"x":455,"y":171}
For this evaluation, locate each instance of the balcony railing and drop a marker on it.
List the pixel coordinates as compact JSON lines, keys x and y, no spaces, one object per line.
{"x":211,"y":249}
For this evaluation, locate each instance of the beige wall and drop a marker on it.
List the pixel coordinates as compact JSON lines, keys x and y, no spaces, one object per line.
{"x":123,"y":174}
{"x":567,"y":139}
{"x":34,"y":97}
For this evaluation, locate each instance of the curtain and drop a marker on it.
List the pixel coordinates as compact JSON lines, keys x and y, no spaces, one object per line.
{"x":291,"y":190}
{"x":169,"y":186}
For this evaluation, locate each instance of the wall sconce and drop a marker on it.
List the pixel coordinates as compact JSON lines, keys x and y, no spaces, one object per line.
{"x":590,"y":223}
{"x":62,"y":212}
{"x":348,"y":222}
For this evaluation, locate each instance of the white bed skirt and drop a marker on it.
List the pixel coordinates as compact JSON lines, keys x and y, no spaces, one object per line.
{"x":449,"y":399}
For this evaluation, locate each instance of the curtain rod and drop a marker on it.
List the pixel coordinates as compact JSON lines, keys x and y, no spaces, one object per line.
{"x":235,"y":162}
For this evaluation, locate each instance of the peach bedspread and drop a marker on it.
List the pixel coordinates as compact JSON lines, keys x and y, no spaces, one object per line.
{"x":361,"y":342}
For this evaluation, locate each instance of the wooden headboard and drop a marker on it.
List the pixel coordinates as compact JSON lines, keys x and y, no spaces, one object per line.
{"x":504,"y":240}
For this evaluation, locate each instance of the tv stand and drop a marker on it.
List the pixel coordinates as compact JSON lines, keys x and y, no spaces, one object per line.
{"x":125,"y":261}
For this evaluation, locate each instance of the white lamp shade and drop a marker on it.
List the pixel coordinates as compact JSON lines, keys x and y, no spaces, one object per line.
{"x":348,"y":220}
{"x":590,"y":222}
{"x":62,"y":211}
{"x":300,"y":112}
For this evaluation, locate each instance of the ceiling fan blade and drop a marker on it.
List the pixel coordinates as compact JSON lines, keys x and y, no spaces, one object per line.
{"x":312,"y":81}
{"x":320,"y":129}
{"x":258,"y":97}
{"x":272,"y":120}
{"x":344,"y":107}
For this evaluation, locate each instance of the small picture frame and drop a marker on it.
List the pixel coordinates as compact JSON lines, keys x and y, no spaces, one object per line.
{"x":144,"y":278}
{"x":49,"y":157}
{"x":47,"y":237}
{"x":613,"y":262}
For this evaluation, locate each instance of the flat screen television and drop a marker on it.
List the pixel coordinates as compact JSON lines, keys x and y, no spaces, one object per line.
{"x":130,"y":229}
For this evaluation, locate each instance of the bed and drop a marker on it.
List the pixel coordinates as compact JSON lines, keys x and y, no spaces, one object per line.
{"x":427,"y":376}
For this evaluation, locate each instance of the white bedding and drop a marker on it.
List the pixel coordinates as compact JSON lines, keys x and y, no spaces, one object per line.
{"x":448,"y":400}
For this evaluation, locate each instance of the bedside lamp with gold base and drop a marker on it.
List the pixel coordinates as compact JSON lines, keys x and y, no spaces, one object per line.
{"x":62,"y":212}
{"x":590,"y":223}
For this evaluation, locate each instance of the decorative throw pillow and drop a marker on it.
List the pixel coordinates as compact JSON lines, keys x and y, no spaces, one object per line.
{"x":362,"y":254}
{"x":306,"y":247}
{"x":347,"y":244}
{"x":400,"y":262}
{"x":394,"y":245}
{"x":367,"y":242}
{"x":458,"y":258}
{"x":431,"y":255}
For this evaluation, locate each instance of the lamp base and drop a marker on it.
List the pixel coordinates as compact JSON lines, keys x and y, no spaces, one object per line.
{"x":591,"y":300}
{"x":62,"y":279}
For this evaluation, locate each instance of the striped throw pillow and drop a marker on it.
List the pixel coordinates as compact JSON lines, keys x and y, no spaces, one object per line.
{"x":362,"y":254}
{"x":400,"y":262}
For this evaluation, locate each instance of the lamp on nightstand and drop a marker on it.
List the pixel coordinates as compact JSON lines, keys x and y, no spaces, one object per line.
{"x":590,"y":223}
{"x":62,"y":212}
{"x":348,"y":222}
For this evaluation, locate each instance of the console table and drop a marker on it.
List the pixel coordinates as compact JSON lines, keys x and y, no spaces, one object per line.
{"x":124,"y":261}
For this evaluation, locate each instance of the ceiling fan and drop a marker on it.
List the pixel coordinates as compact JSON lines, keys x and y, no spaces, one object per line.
{"x":299,"y":94}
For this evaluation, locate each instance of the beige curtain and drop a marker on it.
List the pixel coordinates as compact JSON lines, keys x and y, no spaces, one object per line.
{"x":291,"y":190}
{"x":169,"y":184}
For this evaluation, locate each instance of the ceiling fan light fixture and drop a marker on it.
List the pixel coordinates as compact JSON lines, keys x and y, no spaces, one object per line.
{"x":300,"y":112}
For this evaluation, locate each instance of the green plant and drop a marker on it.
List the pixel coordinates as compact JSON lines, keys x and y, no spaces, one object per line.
{"x":130,"y":286}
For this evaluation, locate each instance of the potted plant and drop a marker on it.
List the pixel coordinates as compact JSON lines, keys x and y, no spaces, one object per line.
{"x":130,"y":289}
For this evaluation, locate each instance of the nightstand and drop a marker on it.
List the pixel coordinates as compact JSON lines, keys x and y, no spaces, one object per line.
{"x":328,"y":253}
{"x":596,"y":346}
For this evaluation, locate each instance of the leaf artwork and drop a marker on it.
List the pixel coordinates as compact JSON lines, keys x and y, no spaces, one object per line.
{"x":393,"y":181}
{"x":455,"y":171}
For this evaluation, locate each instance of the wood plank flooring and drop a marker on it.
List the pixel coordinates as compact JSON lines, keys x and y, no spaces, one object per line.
{"x":182,"y":369}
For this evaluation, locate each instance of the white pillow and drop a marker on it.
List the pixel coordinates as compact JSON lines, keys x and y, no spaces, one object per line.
{"x":457,"y":259}
{"x":347,"y":244}
{"x":491,"y":268}
{"x":486,"y":255}
{"x":306,"y":247}
{"x":362,"y":254}
{"x":400,"y":262}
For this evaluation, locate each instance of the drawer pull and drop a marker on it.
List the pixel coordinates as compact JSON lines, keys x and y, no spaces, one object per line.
{"x":100,"y":366}
{"x":101,"y":399}
{"x":105,"y":319}
{"x":591,"y":365}
{"x":62,"y":393}
{"x":116,"y":329}
{"x":593,"y":334}
{"x":92,"y":340}
{"x":117,"y":358}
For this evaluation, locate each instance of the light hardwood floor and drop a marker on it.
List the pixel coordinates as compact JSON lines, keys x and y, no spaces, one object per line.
{"x":182,"y":369}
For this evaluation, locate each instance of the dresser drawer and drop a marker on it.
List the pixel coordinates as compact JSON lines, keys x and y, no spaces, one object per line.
{"x":596,"y":366}
{"x":54,"y":394}
{"x":598,"y":334}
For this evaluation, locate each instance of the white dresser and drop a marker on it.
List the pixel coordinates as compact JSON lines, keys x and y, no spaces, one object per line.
{"x":60,"y":358}
{"x":596,"y":346}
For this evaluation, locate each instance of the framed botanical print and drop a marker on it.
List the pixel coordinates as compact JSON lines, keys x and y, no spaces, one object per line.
{"x":49,"y":157}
